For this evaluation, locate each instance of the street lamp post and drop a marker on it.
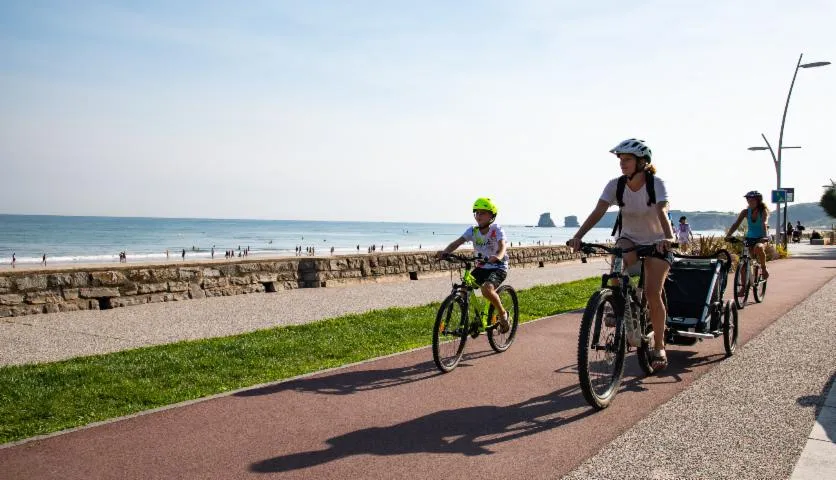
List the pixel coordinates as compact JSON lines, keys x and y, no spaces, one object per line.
{"x":777,"y":159}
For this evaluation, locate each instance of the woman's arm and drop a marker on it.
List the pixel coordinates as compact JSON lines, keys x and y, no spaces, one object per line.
{"x":662,"y":213}
{"x":593,"y":219}
{"x":736,"y":223}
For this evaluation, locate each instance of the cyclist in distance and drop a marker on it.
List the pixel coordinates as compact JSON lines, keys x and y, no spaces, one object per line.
{"x":642,"y":220}
{"x":757,"y":228}
{"x":489,"y":240}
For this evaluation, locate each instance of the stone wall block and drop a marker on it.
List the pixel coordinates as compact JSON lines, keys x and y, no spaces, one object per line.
{"x":152,"y":288}
{"x":178,"y":286}
{"x":11,"y":299}
{"x":40,"y":298}
{"x":98,"y":292}
{"x":108,"y":279}
{"x":195,"y":291}
{"x":31,"y":283}
{"x":211,"y":273}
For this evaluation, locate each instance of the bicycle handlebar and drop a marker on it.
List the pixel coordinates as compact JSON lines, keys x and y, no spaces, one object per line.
{"x":641,"y":250}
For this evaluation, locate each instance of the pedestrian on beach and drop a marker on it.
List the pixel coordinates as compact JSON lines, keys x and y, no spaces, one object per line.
{"x":166,"y":254}
{"x":358,"y":248}
{"x":183,"y":254}
{"x":332,"y":250}
{"x":43,"y":260}
{"x":213,"y":252}
{"x":684,"y":235}
{"x":14,"y":259}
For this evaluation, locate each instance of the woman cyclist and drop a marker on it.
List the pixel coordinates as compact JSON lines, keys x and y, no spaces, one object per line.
{"x":757,"y":228}
{"x":643,"y":222}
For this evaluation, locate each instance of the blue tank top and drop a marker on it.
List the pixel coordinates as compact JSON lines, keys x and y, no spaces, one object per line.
{"x":754,"y":228}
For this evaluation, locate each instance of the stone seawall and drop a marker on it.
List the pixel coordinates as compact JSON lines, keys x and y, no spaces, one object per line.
{"x":70,"y":289}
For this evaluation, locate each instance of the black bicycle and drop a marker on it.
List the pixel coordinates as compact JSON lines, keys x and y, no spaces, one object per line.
{"x":747,"y":276}
{"x":453,"y":323}
{"x":615,"y":316}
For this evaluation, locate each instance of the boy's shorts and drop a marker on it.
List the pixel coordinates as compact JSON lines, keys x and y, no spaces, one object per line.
{"x":494,"y":276}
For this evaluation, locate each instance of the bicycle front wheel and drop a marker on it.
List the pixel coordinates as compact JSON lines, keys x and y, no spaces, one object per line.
{"x":759,"y":285}
{"x":501,"y":341}
{"x":601,"y":349}
{"x":741,"y":284}
{"x":449,"y":333}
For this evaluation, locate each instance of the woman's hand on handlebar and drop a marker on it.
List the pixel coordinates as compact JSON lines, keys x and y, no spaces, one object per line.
{"x":663,"y":246}
{"x":575,"y":243}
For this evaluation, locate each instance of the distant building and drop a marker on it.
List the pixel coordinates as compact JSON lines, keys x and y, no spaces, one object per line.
{"x":571,"y":221}
{"x":545,"y":220}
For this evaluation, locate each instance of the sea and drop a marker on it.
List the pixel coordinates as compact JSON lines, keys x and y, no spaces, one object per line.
{"x":77,"y":239}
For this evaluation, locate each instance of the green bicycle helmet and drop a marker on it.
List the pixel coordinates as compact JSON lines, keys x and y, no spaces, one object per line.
{"x":485,"y":203}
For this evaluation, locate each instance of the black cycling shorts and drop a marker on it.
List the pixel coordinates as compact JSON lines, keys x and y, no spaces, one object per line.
{"x":751,"y":242}
{"x":494,"y":276}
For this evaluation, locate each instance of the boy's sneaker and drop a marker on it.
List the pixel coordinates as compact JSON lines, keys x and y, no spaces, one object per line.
{"x":504,"y":324}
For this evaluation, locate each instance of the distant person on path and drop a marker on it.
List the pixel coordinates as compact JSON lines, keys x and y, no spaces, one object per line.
{"x":684,"y":234}
{"x":183,"y":254}
{"x":642,"y":220}
{"x":757,"y":232}
{"x":489,"y":240}
{"x":815,"y":235}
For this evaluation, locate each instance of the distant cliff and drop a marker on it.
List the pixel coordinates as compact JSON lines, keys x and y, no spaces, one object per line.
{"x":545,"y":220}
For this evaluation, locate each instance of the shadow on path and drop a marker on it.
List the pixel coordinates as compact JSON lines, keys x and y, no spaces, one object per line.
{"x":465,"y":431}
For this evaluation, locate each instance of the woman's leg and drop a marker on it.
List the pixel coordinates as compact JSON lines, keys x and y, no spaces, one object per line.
{"x":655,"y":272}
{"x":760,"y":254}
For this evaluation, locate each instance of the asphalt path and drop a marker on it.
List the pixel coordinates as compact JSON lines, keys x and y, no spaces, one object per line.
{"x":519,"y":414}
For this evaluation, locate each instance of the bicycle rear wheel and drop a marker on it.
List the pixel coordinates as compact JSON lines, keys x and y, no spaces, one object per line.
{"x":730,"y":327}
{"x":741,"y":284}
{"x":601,"y":349}
{"x":501,"y":341}
{"x":449,"y":333}
{"x":758,"y":285}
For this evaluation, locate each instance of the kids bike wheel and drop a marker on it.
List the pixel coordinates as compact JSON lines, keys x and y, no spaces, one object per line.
{"x":449,"y":333}
{"x":759,"y":286}
{"x":601,"y":350}
{"x":741,"y":284}
{"x":501,"y":341}
{"x":730,"y":327}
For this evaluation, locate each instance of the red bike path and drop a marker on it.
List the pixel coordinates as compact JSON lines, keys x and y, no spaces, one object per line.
{"x":515,"y":415}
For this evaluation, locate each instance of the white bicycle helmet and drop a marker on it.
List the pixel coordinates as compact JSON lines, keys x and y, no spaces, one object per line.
{"x":634,"y":146}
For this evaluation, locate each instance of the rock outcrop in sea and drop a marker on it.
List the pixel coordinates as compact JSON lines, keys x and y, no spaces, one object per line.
{"x":545,"y":220}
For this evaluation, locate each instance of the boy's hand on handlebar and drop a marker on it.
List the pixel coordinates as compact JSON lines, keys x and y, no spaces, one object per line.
{"x":575,"y":243}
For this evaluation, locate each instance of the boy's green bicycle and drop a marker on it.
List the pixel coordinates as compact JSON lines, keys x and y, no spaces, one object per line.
{"x":453,"y":323}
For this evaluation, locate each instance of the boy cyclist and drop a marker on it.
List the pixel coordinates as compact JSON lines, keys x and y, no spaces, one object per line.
{"x":489,"y":240}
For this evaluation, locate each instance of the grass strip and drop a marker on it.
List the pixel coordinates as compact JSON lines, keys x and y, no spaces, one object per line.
{"x":48,"y":397}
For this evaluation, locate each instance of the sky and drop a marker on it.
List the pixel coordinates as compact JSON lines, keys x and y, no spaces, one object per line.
{"x":404,"y":111}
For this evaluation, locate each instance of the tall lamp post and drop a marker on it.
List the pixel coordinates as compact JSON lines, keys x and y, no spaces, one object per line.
{"x":777,"y":159}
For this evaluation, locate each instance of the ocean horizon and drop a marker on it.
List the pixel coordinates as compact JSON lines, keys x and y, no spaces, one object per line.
{"x":100,"y":239}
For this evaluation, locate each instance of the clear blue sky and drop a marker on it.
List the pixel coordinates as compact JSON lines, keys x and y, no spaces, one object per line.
{"x":403,"y":111}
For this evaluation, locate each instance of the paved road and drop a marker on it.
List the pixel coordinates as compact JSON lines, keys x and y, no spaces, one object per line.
{"x":519,"y":414}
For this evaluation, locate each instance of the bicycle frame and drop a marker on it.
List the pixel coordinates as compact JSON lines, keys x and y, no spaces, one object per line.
{"x":466,"y":290}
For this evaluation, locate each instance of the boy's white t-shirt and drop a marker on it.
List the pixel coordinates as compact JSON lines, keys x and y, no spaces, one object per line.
{"x":487,"y":244}
{"x":639,"y":222}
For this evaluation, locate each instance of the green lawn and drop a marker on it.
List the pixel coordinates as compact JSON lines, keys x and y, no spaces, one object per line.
{"x":38,"y":399}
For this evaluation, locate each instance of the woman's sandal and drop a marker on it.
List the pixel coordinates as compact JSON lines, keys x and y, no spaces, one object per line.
{"x":658,"y":360}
